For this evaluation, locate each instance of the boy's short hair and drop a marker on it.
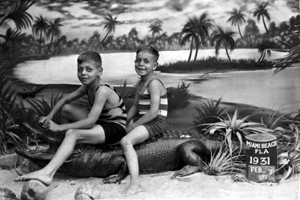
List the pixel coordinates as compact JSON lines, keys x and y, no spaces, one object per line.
{"x":149,"y":49}
{"x":90,"y":56}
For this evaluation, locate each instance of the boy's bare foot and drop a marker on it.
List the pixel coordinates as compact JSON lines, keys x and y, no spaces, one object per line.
{"x":132,"y":189}
{"x":37,"y":175}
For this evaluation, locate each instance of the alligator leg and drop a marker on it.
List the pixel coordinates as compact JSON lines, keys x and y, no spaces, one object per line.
{"x":185,"y":171}
{"x":194,"y":153}
{"x":122,"y":171}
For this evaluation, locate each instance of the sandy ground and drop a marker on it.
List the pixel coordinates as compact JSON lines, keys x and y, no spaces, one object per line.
{"x":160,"y":186}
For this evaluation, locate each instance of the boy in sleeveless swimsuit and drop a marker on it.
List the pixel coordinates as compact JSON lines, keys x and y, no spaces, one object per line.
{"x":104,"y":123}
{"x":146,"y":118}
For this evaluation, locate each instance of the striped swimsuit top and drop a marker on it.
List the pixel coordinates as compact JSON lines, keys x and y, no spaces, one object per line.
{"x":105,"y":115}
{"x":144,"y":101}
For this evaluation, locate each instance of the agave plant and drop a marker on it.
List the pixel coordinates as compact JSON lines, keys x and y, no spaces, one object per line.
{"x":7,"y":96}
{"x":8,"y":111}
{"x":289,"y":160}
{"x":223,"y":163}
{"x":208,"y":113}
{"x":234,"y":127}
{"x":178,"y":97}
{"x":42,"y":107}
{"x":276,"y":122}
{"x":7,"y":131}
{"x":127,"y":95}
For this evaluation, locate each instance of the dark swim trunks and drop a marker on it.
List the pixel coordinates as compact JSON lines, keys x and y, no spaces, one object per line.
{"x":113,"y":132}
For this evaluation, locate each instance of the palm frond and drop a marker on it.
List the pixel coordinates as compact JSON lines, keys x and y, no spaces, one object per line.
{"x":19,"y":14}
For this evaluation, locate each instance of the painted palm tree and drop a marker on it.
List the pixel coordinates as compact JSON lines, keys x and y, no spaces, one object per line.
{"x":19,"y":15}
{"x":261,"y":11}
{"x":264,"y":49}
{"x":21,"y":18}
{"x":54,"y":30}
{"x":203,"y":25}
{"x":155,"y":29}
{"x":223,"y":37}
{"x":237,"y":18}
{"x":110,"y":25}
{"x":39,"y":27}
{"x":196,"y":30}
{"x":190,"y":34}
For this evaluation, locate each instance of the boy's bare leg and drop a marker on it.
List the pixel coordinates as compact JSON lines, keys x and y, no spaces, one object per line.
{"x":73,"y":136}
{"x":71,"y":113}
{"x":137,"y":135}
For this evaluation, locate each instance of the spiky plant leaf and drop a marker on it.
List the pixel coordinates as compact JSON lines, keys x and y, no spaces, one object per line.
{"x":222,"y":163}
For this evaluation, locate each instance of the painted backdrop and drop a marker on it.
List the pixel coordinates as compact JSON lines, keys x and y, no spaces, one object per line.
{"x":46,"y":37}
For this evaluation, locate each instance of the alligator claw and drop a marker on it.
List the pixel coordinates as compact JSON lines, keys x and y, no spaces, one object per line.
{"x":185,"y":171}
{"x":111,"y":179}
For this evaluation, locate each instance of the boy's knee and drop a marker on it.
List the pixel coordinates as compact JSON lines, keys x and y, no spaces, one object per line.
{"x":125,"y":141}
{"x":66,"y":109}
{"x":71,"y":133}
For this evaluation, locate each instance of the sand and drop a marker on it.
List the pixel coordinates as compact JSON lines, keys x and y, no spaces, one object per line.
{"x":160,"y":186}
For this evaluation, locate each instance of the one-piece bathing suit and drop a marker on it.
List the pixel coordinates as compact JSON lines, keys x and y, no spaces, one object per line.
{"x":157,"y":125}
{"x":114,"y":126}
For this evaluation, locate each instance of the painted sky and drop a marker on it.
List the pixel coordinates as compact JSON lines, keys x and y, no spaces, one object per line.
{"x":82,"y":18}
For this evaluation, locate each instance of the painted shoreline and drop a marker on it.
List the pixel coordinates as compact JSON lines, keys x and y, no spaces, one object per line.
{"x":197,"y":78}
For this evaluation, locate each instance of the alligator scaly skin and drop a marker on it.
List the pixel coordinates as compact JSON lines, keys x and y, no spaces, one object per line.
{"x":171,"y":151}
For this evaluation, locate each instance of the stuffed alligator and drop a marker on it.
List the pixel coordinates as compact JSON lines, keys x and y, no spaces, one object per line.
{"x":172,"y":151}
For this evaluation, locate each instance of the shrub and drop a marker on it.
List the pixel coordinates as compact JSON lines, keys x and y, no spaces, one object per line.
{"x":276,"y":121}
{"x":233,"y":128}
{"x":289,"y":160}
{"x":42,"y":108}
{"x":212,"y":63}
{"x":8,"y":113}
{"x":209,"y":112}
{"x":223,"y":163}
{"x":179,"y":97}
{"x":8,"y":137}
{"x":128,"y":94}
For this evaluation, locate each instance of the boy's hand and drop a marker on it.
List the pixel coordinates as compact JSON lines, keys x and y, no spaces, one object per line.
{"x":44,"y":121}
{"x":53,"y":127}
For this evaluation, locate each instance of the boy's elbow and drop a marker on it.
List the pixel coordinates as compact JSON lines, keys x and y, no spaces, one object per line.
{"x":90,"y":123}
{"x":154,"y":114}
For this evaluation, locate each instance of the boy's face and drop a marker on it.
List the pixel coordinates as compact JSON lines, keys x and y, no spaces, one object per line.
{"x":88,"y":72}
{"x":145,"y":63}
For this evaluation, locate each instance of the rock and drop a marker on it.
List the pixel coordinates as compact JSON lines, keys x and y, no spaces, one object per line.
{"x":7,"y":194}
{"x":34,"y":190}
{"x":88,"y":191}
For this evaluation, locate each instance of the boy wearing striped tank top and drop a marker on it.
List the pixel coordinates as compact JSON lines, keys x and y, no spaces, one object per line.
{"x":105,"y":122}
{"x":146,"y":118}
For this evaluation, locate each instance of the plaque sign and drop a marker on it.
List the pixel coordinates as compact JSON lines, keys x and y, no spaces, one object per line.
{"x":261,"y":157}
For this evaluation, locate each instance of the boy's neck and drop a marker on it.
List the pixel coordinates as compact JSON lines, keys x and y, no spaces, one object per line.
{"x":147,"y":78}
{"x":94,"y":84}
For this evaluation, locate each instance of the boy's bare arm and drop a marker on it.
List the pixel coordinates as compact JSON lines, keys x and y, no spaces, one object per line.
{"x":66,"y":99}
{"x":101,"y":97}
{"x":133,"y":109}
